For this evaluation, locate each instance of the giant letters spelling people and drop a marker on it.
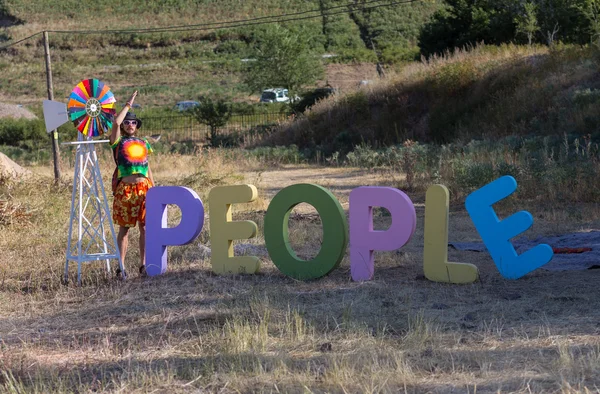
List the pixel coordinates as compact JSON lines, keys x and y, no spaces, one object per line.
{"x":364,"y":240}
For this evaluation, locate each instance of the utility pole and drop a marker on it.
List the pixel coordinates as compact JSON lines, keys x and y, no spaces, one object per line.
{"x":55,"y":152}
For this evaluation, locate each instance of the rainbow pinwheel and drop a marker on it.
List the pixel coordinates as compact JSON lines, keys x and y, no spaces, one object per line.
{"x":91,"y":107}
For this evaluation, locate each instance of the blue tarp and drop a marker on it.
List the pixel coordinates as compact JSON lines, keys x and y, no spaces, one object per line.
{"x":560,"y":262}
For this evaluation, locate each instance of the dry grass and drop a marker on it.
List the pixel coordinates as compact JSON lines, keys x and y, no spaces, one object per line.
{"x":191,"y":331}
{"x":487,"y":92}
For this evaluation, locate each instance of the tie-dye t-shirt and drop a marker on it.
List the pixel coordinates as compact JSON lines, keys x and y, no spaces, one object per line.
{"x":132,"y":155}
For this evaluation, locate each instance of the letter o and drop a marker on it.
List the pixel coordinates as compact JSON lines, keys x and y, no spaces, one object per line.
{"x":335,"y":231}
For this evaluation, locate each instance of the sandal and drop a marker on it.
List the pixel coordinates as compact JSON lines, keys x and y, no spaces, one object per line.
{"x":120,"y":274}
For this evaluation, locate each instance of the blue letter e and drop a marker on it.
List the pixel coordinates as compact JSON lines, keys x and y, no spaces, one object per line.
{"x":496,"y":234}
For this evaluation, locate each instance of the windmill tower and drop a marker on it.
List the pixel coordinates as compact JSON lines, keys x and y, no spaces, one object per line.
{"x":92,"y":236}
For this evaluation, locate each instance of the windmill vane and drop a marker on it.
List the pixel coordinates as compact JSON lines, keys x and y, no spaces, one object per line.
{"x":91,"y":107}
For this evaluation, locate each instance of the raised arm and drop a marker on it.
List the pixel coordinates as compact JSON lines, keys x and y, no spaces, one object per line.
{"x":116,"y":128}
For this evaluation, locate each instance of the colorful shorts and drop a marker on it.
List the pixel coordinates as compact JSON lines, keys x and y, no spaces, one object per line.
{"x":129,"y":204}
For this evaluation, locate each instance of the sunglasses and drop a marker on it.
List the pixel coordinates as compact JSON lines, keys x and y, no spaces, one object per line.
{"x":130,"y":122}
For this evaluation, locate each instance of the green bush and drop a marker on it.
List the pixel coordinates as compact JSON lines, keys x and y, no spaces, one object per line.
{"x":361,"y":54}
{"x":22,"y":132}
{"x":364,"y":156}
{"x":472,"y":175}
{"x":400,"y":54}
{"x":27,"y":156}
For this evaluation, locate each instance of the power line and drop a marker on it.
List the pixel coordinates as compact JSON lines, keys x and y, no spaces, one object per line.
{"x":226,"y":25}
{"x":20,"y":41}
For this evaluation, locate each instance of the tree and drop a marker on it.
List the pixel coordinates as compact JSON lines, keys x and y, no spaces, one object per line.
{"x":214,"y":114}
{"x":282,"y":60}
{"x":463,"y":23}
{"x":590,"y":10}
{"x":467,"y":22}
{"x":527,"y":22}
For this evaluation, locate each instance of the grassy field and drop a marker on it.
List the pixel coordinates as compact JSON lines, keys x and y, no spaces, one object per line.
{"x":170,"y":66}
{"x":190,"y":331}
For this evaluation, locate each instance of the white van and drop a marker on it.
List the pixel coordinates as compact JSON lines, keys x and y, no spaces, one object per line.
{"x":276,"y":95}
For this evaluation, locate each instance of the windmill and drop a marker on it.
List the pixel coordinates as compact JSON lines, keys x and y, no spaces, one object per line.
{"x":91,"y":108}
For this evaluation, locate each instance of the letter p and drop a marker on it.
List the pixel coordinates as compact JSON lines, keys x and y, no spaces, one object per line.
{"x":364,"y":240}
{"x":158,"y":234}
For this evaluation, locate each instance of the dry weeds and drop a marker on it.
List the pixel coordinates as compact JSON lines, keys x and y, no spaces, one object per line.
{"x":192,"y":331}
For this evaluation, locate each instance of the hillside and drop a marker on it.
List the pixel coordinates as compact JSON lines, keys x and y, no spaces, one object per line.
{"x":172,"y":66}
{"x":489,"y":92}
{"x":367,"y":23}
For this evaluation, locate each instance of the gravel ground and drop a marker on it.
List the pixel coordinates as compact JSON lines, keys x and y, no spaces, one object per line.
{"x":14,"y":111}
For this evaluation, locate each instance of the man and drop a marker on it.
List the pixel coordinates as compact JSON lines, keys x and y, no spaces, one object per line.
{"x":134,"y":178}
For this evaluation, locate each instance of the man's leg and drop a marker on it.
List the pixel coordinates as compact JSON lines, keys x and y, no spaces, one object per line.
{"x":123,"y":242}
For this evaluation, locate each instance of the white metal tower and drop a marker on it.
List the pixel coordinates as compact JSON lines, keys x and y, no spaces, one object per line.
{"x":91,"y":231}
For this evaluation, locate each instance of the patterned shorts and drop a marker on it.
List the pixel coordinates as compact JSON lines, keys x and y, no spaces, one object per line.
{"x":129,"y":204}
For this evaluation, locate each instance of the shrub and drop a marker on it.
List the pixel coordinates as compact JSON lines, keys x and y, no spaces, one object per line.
{"x":400,"y":54}
{"x":22,"y":132}
{"x":365,"y":157}
{"x":214,"y":114}
{"x":474,"y":175}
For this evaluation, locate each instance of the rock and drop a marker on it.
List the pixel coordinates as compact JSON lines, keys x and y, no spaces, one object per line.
{"x":11,"y":169}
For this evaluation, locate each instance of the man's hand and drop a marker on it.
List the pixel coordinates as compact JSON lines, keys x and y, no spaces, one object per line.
{"x":132,"y":98}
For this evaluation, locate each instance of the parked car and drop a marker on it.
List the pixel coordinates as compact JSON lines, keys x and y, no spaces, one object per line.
{"x":185,"y":105}
{"x":275,"y":95}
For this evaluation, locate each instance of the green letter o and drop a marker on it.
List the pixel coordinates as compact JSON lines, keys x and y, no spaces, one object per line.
{"x":335,"y":231}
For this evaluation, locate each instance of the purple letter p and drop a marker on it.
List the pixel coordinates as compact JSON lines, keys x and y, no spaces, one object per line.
{"x":158,"y":234}
{"x":364,"y":240}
